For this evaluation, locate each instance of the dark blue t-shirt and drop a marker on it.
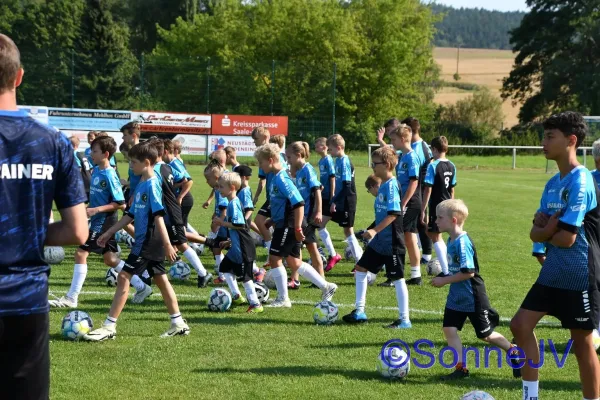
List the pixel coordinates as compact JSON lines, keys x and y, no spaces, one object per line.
{"x":36,"y":167}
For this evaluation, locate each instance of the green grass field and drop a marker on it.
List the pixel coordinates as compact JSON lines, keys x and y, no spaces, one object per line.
{"x":281,"y":353}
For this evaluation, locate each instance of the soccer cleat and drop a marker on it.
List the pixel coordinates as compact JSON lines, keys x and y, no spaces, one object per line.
{"x":353,"y":270}
{"x":293,"y":285}
{"x":459,"y":373}
{"x":400,"y":324}
{"x":177,"y":329}
{"x":260,"y":275}
{"x":355,"y":317}
{"x":103,"y":333}
{"x":281,"y":303}
{"x":442,"y":275}
{"x":328,"y":291}
{"x":63,"y":302}
{"x":387,"y":283}
{"x":332,"y":261}
{"x":238,"y":300}
{"x":204,"y":280}
{"x":515,"y":362}
{"x":140,"y":296}
{"x":424,"y":261}
{"x":414,"y":281}
{"x":255,"y":309}
{"x":218,"y":281}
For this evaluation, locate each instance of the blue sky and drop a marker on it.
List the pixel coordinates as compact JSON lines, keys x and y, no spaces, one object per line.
{"x":504,"y":5}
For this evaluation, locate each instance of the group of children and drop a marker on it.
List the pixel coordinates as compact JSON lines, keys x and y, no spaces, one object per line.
{"x":299,"y":204}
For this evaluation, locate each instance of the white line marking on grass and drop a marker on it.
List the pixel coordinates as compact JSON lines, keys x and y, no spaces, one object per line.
{"x":311,"y":303}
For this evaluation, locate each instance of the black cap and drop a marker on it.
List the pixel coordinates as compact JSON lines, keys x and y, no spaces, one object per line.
{"x":244,"y":170}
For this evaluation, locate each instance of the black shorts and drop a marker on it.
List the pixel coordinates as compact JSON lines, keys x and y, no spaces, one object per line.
{"x":265,"y":210}
{"x":136,"y":265}
{"x":241,"y":271}
{"x":25,"y":365}
{"x":432,"y":226}
{"x":310,"y":235}
{"x":483,"y":321}
{"x":575,"y":309}
{"x":284,"y":243}
{"x":326,"y":208}
{"x":373,"y":262}
{"x":345,"y":218}
{"x":217,"y":242}
{"x":177,"y":234}
{"x":410,"y":220}
{"x":91,"y":245}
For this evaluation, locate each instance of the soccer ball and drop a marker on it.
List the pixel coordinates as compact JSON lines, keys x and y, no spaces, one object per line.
{"x":371,"y":277}
{"x":393,"y":363}
{"x":323,"y":258}
{"x":219,"y":300}
{"x":111,"y":277}
{"x":262,"y":291}
{"x":596,"y":339}
{"x":325,"y":313}
{"x":477,"y":395}
{"x":348,"y":254}
{"x":268,"y":280}
{"x":434,"y":267}
{"x":54,"y":254}
{"x":180,"y":270}
{"x":76,"y":324}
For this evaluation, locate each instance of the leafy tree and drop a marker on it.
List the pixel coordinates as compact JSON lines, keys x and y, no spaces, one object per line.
{"x":558,"y":54}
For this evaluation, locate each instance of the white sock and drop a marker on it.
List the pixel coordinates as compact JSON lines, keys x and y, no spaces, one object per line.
{"x":79,"y":274}
{"x":279,"y":275}
{"x":530,"y":390}
{"x":145,"y":274}
{"x":110,"y":321}
{"x":138,"y":283}
{"x":255,"y":269}
{"x":190,"y":228}
{"x":193,"y":258}
{"x":176,"y":318}
{"x":218,"y":259}
{"x":592,"y":399}
{"x":361,"y":290}
{"x":326,"y":239}
{"x":268,"y":245}
{"x":442,"y":255}
{"x":402,"y":299}
{"x":211,"y":235}
{"x":415,"y":272}
{"x":119,"y":266}
{"x":426,"y":257}
{"x":355,"y":247}
{"x":251,"y":293}
{"x":312,"y":275}
{"x":232,"y":283}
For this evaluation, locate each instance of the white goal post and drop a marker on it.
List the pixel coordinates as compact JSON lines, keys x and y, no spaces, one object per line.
{"x":372,"y":148}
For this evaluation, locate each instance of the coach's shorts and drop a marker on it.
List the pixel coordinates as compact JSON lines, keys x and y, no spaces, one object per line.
{"x":25,"y":362}
{"x":177,"y":234}
{"x":326,"y":207}
{"x":410,"y":220}
{"x":284,"y":243}
{"x":241,"y":271}
{"x":265,"y":210}
{"x":91,"y":245}
{"x":310,"y":235}
{"x":136,"y":265}
{"x":432,"y":226}
{"x":483,"y":321}
{"x":345,"y":217}
{"x":575,"y":309}
{"x":374,"y":261}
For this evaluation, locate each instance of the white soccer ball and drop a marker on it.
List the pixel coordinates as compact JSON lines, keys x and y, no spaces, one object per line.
{"x":371,"y":278}
{"x":76,"y":324}
{"x":348,"y":254}
{"x":393,"y":363}
{"x":325,"y":313}
{"x":268,"y":280}
{"x":596,"y":339}
{"x":434,"y":267}
{"x":180,"y":270}
{"x":323,"y":257}
{"x":477,"y":395}
{"x":111,"y":277}
{"x":219,"y":300}
{"x":262,"y":292}
{"x":54,"y":254}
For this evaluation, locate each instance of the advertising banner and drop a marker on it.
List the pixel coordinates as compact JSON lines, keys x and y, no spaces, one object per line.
{"x":149,"y":121}
{"x":83,"y":143}
{"x":88,"y":120}
{"x":192,"y":144}
{"x":40,"y":114}
{"x":243,"y":124}
{"x":243,"y":145}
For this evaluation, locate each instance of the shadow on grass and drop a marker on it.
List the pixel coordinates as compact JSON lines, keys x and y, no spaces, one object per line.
{"x":296,"y":370}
